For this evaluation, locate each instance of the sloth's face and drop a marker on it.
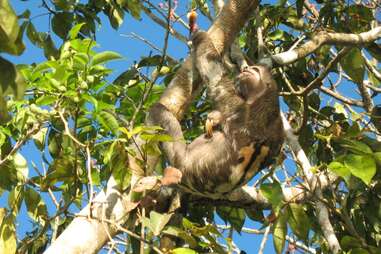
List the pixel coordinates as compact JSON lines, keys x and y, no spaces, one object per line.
{"x":250,"y":83}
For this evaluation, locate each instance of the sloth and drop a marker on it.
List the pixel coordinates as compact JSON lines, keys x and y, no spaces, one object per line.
{"x":250,"y":132}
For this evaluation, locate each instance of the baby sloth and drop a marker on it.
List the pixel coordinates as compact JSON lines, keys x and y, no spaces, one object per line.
{"x":251,"y":131}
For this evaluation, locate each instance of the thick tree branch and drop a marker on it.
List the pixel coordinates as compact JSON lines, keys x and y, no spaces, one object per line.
{"x":324,"y":38}
{"x":313,"y":185}
{"x":184,"y":87}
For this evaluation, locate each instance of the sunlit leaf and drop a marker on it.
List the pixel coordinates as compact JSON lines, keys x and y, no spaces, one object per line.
{"x":21,"y":166}
{"x":8,"y":235}
{"x":279,"y":232}
{"x":188,"y":238}
{"x":108,"y":121}
{"x":158,"y":221}
{"x":340,"y":169}
{"x":272,"y":192}
{"x":9,"y":28}
{"x":73,"y":33}
{"x":183,"y":251}
{"x":361,"y":166}
{"x":104,"y":56}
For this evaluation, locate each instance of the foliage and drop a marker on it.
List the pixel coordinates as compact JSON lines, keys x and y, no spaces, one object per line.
{"x":68,"y":103}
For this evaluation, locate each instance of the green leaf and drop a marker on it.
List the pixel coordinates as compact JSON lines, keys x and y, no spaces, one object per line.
{"x":73,"y":33}
{"x":15,"y":198}
{"x":126,"y":76}
{"x":134,"y":7}
{"x":353,"y":64}
{"x":158,"y":221}
{"x":350,"y":242}
{"x":276,"y":35}
{"x":279,"y":232}
{"x":108,"y":121}
{"x":299,"y":221}
{"x":50,"y":50}
{"x":255,"y":214}
{"x":119,"y":166}
{"x":35,"y":205}
{"x":358,"y":251}
{"x":3,"y":212}
{"x":91,"y":99}
{"x":61,"y":169}
{"x":46,"y":100}
{"x":61,"y":23}
{"x":299,"y":8}
{"x":39,"y":138}
{"x":11,"y":80}
{"x":34,"y":36}
{"x":361,"y":166}
{"x":235,"y":216}
{"x":8,"y":235}
{"x":188,"y":238}
{"x":183,"y":251}
{"x":104,"y":56}
{"x":355,"y":146}
{"x":377,"y":157}
{"x":156,"y":137}
{"x":340,"y":169}
{"x":9,"y":28}
{"x":7,"y":74}
{"x":115,"y":16}
{"x":150,"y":61}
{"x":273,"y":193}
{"x":21,"y":166}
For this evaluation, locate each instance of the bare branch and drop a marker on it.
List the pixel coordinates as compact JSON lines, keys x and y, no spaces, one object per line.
{"x":20,"y":143}
{"x":365,"y":95}
{"x":341,"y":97}
{"x":324,"y":38}
{"x":163,"y":24}
{"x":313,"y":185}
{"x":318,"y":81}
{"x":264,"y":240}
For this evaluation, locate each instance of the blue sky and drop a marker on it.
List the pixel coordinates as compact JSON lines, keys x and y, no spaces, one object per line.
{"x":132,"y":50}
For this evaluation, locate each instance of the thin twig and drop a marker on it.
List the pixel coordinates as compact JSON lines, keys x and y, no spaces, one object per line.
{"x":318,"y":81}
{"x":365,"y":95}
{"x":162,"y":23}
{"x":91,"y":187}
{"x":67,"y":130}
{"x":152,"y":82}
{"x":20,"y":143}
{"x":132,"y":234}
{"x":341,"y":98}
{"x":264,"y":240}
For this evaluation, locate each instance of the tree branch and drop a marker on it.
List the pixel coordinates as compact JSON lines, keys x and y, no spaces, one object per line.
{"x":314,"y":187}
{"x":324,"y":38}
